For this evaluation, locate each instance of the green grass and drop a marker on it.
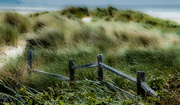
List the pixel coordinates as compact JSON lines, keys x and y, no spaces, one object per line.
{"x":130,"y":41}
{"x":17,"y":20}
{"x":9,"y":34}
{"x":78,"y":12}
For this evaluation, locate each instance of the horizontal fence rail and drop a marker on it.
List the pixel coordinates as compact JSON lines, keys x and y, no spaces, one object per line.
{"x":142,"y":87}
{"x":148,"y":89}
{"x":115,"y":71}
{"x":90,"y":65}
{"x":52,"y":75}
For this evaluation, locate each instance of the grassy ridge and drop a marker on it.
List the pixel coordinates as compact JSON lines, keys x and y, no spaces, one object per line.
{"x":130,"y":41}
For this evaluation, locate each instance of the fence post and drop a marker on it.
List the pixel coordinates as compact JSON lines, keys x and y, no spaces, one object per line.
{"x":71,"y":71}
{"x":100,"y":69}
{"x":140,"y":78}
{"x":30,"y":59}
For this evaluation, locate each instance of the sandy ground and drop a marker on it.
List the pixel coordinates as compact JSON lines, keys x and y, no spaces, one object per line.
{"x":87,"y":19}
{"x":8,"y":52}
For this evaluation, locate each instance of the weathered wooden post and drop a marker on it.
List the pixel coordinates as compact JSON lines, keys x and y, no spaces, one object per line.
{"x":30,"y":60}
{"x":100,"y":69}
{"x":71,"y":71}
{"x":140,"y":78}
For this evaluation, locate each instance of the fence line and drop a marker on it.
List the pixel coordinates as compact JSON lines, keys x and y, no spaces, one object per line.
{"x":142,"y":87}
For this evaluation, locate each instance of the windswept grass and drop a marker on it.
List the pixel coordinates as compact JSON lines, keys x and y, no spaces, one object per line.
{"x":9,"y":35}
{"x":12,"y":26}
{"x":38,"y":25}
{"x":130,"y":41}
{"x":104,"y":12}
{"x":78,"y":12}
{"x":48,"y":37}
{"x":17,"y":20}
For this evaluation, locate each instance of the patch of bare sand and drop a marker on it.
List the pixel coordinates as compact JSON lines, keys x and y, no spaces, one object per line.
{"x":87,"y":19}
{"x":8,"y":52}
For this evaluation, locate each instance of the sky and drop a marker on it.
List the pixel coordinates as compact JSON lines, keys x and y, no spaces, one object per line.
{"x":90,"y":2}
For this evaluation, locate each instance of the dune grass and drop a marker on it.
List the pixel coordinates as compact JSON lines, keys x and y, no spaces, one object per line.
{"x":9,"y":34}
{"x":130,"y":41}
{"x":78,"y":12}
{"x":12,"y":26}
{"x":17,"y":20}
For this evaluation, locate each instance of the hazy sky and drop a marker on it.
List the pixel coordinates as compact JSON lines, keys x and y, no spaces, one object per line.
{"x":91,"y":2}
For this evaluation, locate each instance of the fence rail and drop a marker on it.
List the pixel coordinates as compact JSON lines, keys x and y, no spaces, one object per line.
{"x":115,"y":71}
{"x":142,"y":87}
{"x":52,"y":75}
{"x":117,"y":89}
{"x":90,"y":65}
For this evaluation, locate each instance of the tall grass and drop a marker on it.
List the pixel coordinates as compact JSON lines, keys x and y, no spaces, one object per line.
{"x":17,"y":20}
{"x":104,"y":12}
{"x":48,"y":37}
{"x":9,"y":35}
{"x":131,"y":41}
{"x":78,"y":12}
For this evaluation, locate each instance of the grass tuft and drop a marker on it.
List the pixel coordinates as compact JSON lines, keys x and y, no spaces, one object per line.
{"x":17,"y":20}
{"x":9,"y":35}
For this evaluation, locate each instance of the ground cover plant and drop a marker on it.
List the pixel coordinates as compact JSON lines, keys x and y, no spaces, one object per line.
{"x":130,"y":41}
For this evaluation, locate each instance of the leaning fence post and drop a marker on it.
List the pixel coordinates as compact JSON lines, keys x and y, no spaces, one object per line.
{"x":30,"y":59}
{"x":71,"y":71}
{"x":140,"y":78}
{"x":100,"y":69}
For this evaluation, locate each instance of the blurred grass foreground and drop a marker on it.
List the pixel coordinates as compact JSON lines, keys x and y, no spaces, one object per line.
{"x":130,"y":41}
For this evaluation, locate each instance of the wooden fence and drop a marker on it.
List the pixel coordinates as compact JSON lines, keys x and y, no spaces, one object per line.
{"x":142,"y":87}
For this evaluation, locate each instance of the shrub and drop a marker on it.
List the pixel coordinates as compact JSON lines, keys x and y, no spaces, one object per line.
{"x":111,"y":10}
{"x":77,"y":12}
{"x":104,"y":12}
{"x":129,"y":15}
{"x":38,"y":14}
{"x":100,"y":12}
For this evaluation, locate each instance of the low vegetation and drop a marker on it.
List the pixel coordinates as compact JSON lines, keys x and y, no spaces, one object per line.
{"x":78,"y":12}
{"x":130,"y":41}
